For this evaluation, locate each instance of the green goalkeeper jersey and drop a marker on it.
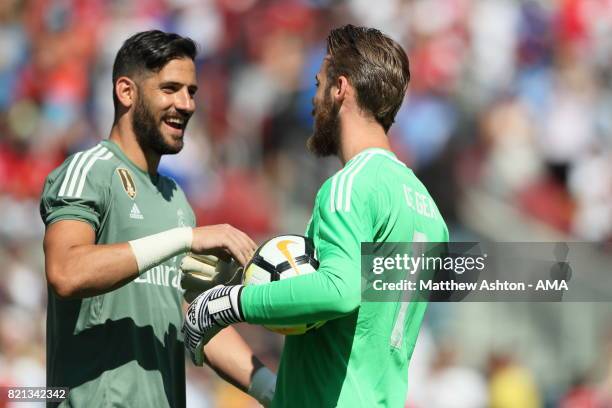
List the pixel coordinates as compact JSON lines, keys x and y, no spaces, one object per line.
{"x":123,"y":348}
{"x":360,"y":357}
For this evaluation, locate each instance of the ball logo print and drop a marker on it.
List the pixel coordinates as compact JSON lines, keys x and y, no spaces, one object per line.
{"x":282,"y":246}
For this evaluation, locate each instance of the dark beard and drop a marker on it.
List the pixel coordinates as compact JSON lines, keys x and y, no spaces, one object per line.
{"x":325,"y":140}
{"x":147,"y":132}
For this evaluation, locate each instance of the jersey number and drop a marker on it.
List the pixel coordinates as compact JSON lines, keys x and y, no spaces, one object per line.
{"x":397,"y":335}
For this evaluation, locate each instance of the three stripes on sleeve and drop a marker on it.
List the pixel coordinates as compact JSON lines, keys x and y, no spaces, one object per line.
{"x":80,"y":165}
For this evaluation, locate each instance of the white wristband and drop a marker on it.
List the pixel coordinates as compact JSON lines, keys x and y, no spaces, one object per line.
{"x":263,"y":386}
{"x":154,"y":249}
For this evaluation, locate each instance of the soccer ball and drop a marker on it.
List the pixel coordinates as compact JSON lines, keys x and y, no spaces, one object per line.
{"x":279,"y":258}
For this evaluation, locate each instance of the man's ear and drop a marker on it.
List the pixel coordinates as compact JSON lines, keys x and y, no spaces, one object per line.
{"x":125,"y":90}
{"x":340,"y":89}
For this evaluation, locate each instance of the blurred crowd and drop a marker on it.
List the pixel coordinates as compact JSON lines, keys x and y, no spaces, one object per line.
{"x":440,"y":378}
{"x":511,"y":98}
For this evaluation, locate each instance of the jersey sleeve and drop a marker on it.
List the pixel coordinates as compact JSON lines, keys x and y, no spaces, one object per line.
{"x":335,"y":289}
{"x":75,"y":191}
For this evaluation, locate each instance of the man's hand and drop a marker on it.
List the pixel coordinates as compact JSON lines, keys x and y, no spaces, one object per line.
{"x":207,"y":315}
{"x":226,"y":237}
{"x":202,"y":272}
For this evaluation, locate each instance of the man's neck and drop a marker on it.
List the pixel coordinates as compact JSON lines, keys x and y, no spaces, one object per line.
{"x":359,"y":133}
{"x":123,"y":135}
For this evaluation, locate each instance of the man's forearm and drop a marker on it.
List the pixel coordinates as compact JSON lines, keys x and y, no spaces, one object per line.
{"x":233,"y":360}
{"x":236,"y":367}
{"x":91,"y":270}
{"x":321,"y":295}
{"x":76,"y":267}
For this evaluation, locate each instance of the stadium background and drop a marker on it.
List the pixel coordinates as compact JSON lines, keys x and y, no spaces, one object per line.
{"x":507,"y":122}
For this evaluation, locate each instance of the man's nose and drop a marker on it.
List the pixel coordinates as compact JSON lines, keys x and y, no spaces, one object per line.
{"x":184,"y":102}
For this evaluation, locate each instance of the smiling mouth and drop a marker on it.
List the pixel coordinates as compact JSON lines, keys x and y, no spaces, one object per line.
{"x":176,"y":123}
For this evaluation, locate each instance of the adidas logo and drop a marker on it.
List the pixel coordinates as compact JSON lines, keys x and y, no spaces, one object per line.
{"x":135,"y":213}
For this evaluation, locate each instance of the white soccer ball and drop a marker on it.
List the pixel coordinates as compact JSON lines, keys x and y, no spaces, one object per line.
{"x":283,"y":257}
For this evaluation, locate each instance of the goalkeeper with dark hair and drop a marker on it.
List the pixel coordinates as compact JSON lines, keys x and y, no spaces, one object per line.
{"x":116,"y":231}
{"x":360,"y":357}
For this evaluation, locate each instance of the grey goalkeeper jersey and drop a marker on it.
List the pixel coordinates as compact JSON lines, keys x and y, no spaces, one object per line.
{"x":123,"y":348}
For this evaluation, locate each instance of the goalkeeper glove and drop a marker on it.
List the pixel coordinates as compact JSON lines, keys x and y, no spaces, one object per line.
{"x":202,"y":272}
{"x":207,"y":315}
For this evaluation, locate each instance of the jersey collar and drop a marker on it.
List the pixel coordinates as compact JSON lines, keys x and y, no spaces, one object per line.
{"x":117,"y":150}
{"x":374,"y":150}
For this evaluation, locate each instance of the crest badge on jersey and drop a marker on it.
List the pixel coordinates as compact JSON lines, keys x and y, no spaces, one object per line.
{"x":127,"y":182}
{"x":180,"y":216}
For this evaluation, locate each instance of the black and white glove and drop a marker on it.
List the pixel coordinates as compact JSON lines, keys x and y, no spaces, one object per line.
{"x":202,"y":272}
{"x":207,"y":315}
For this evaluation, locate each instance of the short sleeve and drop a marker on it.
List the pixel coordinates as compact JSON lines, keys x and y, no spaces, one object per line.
{"x":75,"y":191}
